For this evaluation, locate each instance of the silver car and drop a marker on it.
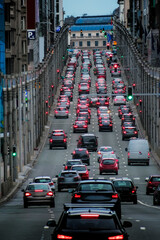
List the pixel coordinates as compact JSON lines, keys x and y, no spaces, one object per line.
{"x":61,"y":112}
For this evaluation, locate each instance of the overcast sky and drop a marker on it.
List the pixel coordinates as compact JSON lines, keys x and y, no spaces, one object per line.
{"x":89,"y":7}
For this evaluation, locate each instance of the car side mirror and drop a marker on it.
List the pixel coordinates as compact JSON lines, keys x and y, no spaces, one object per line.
{"x":51,"y":223}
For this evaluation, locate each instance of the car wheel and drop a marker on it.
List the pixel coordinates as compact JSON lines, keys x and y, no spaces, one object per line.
{"x":50,"y":147}
{"x":99,"y":130}
{"x":52,"y":205}
{"x":25,"y":205}
{"x":59,"y":189}
{"x":100,"y":173}
{"x":154,"y":201}
{"x":147,"y":164}
{"x":129,"y":163}
{"x":86,"y":131}
{"x":147,"y":192}
{"x":122,"y":138}
{"x":65,"y":147}
{"x":55,"y":116}
{"x":135,"y":201}
{"x":117,"y":173}
{"x":111,"y":129}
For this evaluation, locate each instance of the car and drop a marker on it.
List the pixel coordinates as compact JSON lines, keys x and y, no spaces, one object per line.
{"x":119,"y":100}
{"x":63,"y":103}
{"x":38,"y":194}
{"x":69,"y":94}
{"x":58,"y":140}
{"x":83,"y":108}
{"x":68,"y":179}
{"x":102,"y":109}
{"x":82,"y":170}
{"x":97,"y":191}
{"x":126,"y":188}
{"x":81,"y":153}
{"x":70,"y":162}
{"x":80,"y":126}
{"x":123,"y":109}
{"x":108,"y":165}
{"x":45,"y":179}
{"x":105,"y":125}
{"x":86,"y":115}
{"x":93,"y":101}
{"x":128,"y":124}
{"x":156,"y":196}
{"x":102,"y":102}
{"x":127,"y":117}
{"x":57,"y":131}
{"x":61,"y":112}
{"x":101,"y":90}
{"x":128,"y":132}
{"x":83,"y":88}
{"x":89,"y":141}
{"x":104,"y":149}
{"x":152,"y":183}
{"x":88,"y":221}
{"x":109,"y":155}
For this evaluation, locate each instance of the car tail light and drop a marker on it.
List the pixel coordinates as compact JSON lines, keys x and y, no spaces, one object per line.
{"x":134,"y":190}
{"x":89,"y":216}
{"x":148,"y":154}
{"x":118,"y":237}
{"x":27,"y":194}
{"x":77,"y":195}
{"x":85,"y":126}
{"x":60,"y":236}
{"x":135,"y":132}
{"x":66,"y":167}
{"x":76,"y":178}
{"x":51,"y":183}
{"x":128,"y":154}
{"x":75,"y":126}
{"x":110,"y":125}
{"x":51,"y":140}
{"x":74,"y":152}
{"x":50,"y":193}
{"x":115,"y":196}
{"x":67,"y":112}
{"x":124,"y":132}
{"x":100,"y":125}
{"x":56,"y":111}
{"x":64,"y":140}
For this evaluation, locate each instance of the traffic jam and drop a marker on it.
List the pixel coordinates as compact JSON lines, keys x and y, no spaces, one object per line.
{"x":95,"y":207}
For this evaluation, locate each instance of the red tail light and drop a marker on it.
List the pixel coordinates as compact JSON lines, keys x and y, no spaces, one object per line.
{"x":85,"y":126}
{"x":110,"y":125}
{"x":124,"y":132}
{"x":148,"y":154}
{"x":64,"y":140}
{"x":66,"y":167}
{"x":67,"y":112}
{"x":50,"y":193}
{"x":77,"y":195}
{"x":56,"y":111}
{"x":133,"y":190}
{"x":51,"y":183}
{"x":135,"y":132}
{"x":100,"y":125}
{"x":51,"y":140}
{"x":59,"y":236}
{"x":75,"y":126}
{"x":76,"y":178}
{"x":27,"y":194}
{"x":115,"y":196}
{"x":118,"y":237}
{"x":128,"y":154}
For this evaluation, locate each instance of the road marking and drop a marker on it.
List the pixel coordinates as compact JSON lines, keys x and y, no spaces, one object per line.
{"x":142,"y":228}
{"x":147,"y":205}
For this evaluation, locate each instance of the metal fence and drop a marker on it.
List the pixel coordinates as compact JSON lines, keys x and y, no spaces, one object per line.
{"x":145,"y":81}
{"x":27,"y":100}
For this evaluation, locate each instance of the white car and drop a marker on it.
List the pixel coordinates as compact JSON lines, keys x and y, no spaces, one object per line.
{"x":104,"y":149}
{"x":119,"y":100}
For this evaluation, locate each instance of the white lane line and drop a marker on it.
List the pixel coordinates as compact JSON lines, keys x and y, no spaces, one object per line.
{"x":147,"y":205}
{"x":143,"y":228}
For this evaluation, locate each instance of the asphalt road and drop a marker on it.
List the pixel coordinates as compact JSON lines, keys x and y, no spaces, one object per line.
{"x":29,"y":224}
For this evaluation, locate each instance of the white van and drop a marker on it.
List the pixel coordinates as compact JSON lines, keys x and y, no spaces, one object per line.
{"x":138,"y":151}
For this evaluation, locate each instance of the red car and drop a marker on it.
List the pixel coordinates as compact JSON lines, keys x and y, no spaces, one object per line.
{"x":152,"y":183}
{"x":108,"y":165}
{"x":82,"y":170}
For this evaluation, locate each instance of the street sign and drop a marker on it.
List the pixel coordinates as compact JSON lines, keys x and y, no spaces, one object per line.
{"x":31,"y":34}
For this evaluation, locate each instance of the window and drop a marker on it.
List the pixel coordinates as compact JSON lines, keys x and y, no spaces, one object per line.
{"x":80,"y":44}
{"x":88,"y":43}
{"x":89,"y":34}
{"x":96,"y":43}
{"x":23,"y":47}
{"x":74,"y":35}
{"x":104,"y":43}
{"x":23,"y":23}
{"x":81,"y":35}
{"x":97,"y":34}
{"x":73,"y":44}
{"x":24,"y":67}
{"x":7,"y":38}
{"x":22,"y":3}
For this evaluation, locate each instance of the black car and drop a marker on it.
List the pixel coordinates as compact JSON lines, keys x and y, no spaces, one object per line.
{"x":128,"y":132}
{"x":98,"y":192}
{"x":156,"y":196}
{"x":80,"y":126}
{"x":88,"y":222}
{"x":68,"y":165}
{"x":127,"y":117}
{"x":105,"y":125}
{"x":88,"y":141}
{"x":83,"y":154}
{"x":126,"y":188}
{"x":38,"y":194}
{"x":58,"y":140}
{"x":68,"y":179}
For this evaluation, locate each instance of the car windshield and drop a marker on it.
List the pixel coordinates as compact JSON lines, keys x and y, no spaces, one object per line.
{"x":42,"y":180}
{"x":75,"y":222}
{"x":122,"y":184}
{"x":38,"y":187}
{"x":89,"y":139}
{"x":95,"y":187}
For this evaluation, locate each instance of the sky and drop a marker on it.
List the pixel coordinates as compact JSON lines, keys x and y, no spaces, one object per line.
{"x":89,"y":7}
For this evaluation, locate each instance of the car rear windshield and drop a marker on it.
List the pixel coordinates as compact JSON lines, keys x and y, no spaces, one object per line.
{"x":155,"y":179}
{"x":71,"y":174}
{"x":43,"y":180}
{"x":57,"y":137}
{"x":79,"y":168}
{"x":108,"y":162}
{"x":96,"y":186}
{"x":80,"y":154}
{"x":123,"y":184}
{"x":74,"y":223}
{"x":89,"y":139}
{"x":38,"y":187}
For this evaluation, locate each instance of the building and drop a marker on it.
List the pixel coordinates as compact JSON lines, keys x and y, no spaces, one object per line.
{"x":91,"y":32}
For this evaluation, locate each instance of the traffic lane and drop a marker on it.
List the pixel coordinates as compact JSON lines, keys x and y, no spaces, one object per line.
{"x":145,"y":221}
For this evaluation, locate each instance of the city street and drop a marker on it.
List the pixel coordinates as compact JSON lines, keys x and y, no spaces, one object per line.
{"x":19,"y":223}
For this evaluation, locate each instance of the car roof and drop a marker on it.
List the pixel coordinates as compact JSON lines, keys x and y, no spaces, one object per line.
{"x":69,"y":171}
{"x":78,"y":149}
{"x":96,"y":181}
{"x":42,"y":177}
{"x":88,"y":134}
